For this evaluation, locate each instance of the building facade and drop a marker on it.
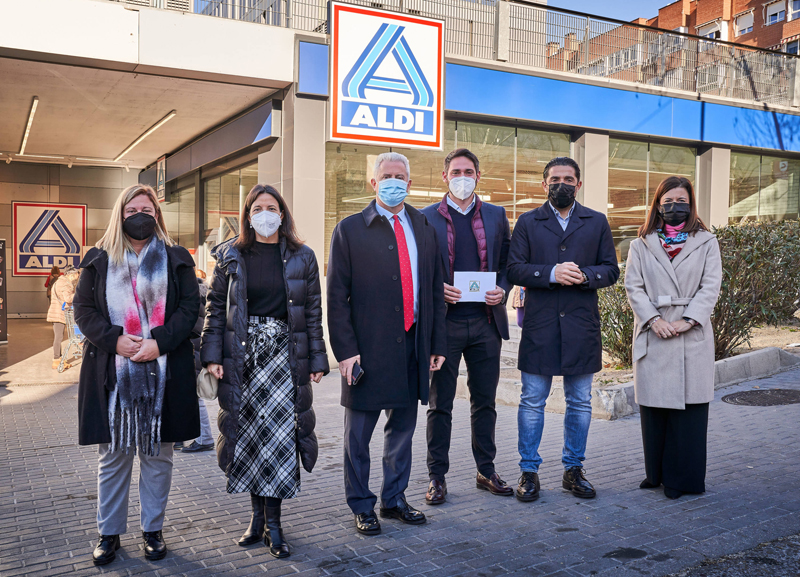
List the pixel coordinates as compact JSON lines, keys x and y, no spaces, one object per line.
{"x":248,"y":82}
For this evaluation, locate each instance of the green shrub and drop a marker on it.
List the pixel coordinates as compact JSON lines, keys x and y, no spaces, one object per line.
{"x":760,"y":285}
{"x":616,"y":321}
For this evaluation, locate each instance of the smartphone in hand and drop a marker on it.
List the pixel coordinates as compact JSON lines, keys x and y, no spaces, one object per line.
{"x":358,"y":372}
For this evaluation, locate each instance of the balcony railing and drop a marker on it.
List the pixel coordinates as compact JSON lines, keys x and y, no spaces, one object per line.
{"x":526,"y":33}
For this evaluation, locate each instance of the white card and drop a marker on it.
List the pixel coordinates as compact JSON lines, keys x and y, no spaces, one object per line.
{"x":474,"y":285}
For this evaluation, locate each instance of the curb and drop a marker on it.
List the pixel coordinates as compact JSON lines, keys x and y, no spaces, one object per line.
{"x":618,"y":401}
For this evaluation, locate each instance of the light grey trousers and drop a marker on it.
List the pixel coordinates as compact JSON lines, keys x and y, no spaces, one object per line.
{"x":58,"y":336}
{"x":114,"y":483}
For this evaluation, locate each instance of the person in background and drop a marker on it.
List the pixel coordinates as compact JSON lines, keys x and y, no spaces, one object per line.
{"x":473,"y":236}
{"x":562,"y":253}
{"x":518,"y":302}
{"x":136,"y":303}
{"x":51,"y":280}
{"x":673,"y":278}
{"x":263,"y":341}
{"x":61,"y":292}
{"x":386,"y":315}
{"x":205,"y":442}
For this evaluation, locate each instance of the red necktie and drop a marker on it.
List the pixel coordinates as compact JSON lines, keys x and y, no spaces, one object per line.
{"x":405,"y":273}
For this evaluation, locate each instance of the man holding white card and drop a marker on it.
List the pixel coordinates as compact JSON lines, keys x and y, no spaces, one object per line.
{"x":474,"y":240}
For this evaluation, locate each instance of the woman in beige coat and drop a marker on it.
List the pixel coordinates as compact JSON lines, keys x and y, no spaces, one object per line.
{"x":672,"y":278}
{"x":62,"y":291}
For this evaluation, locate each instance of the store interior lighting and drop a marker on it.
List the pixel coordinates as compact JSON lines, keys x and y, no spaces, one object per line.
{"x":146,"y":133}
{"x":34,"y":105}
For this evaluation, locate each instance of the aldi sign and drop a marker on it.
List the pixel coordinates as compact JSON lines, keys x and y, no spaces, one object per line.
{"x":47,"y":234}
{"x":387,"y":78}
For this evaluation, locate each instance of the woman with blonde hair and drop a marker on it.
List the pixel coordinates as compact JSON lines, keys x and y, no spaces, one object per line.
{"x":136,"y":303}
{"x":672,"y":278}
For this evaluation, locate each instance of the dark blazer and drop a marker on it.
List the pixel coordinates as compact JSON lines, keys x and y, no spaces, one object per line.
{"x":225,"y":337}
{"x":498,"y":241}
{"x":180,"y":417}
{"x":365,"y":308}
{"x":561,"y":330}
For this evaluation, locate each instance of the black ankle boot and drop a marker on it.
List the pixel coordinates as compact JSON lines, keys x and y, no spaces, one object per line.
{"x":278,"y":547}
{"x":255,"y":531}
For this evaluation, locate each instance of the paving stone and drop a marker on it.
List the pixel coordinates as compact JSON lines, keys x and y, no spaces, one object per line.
{"x":48,"y":501}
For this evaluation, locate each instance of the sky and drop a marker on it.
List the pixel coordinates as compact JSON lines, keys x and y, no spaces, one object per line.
{"x":620,"y":9}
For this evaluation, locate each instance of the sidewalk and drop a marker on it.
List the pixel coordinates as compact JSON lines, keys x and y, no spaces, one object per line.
{"x":48,"y":501}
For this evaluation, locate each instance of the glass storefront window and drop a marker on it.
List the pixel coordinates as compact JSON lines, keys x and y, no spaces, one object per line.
{"x":179,"y":214}
{"x":511,"y":163}
{"x":534,"y":150}
{"x":224,"y":196}
{"x":763,"y":188}
{"x":627,"y":191}
{"x":635,"y":169}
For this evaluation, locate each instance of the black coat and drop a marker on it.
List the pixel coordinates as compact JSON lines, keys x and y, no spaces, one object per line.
{"x":180,"y":417}
{"x":561,"y":330}
{"x":498,"y":241}
{"x":224,"y":342}
{"x":365,"y":308}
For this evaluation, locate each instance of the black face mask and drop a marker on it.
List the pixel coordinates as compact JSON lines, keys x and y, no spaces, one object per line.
{"x":675,"y":213}
{"x":139,"y":226}
{"x":561,"y":195}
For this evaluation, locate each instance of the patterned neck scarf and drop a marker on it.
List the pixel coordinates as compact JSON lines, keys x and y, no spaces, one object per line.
{"x":137,"y":296}
{"x":673,"y":240}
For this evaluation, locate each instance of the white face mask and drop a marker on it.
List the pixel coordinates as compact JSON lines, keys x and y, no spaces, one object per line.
{"x":462,"y":187}
{"x":265,"y":222}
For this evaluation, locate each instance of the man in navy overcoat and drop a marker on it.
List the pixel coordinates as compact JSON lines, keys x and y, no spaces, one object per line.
{"x":562,"y":253}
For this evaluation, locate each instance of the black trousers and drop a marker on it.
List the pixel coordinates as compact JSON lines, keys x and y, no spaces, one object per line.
{"x":398,"y":434}
{"x":675,"y":446}
{"x":479,"y":342}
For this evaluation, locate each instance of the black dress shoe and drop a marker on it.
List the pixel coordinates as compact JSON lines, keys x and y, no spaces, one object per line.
{"x":575,"y":482}
{"x":367,"y":523}
{"x":258,"y":520}
{"x":178,"y":446}
{"x":154,"y":546}
{"x":273,"y":538}
{"x":196,"y":447}
{"x":494,"y":484}
{"x":646,"y":484}
{"x":672,"y":493}
{"x":528,"y":487}
{"x":404,"y":512}
{"x":106,"y":550}
{"x":437,"y":492}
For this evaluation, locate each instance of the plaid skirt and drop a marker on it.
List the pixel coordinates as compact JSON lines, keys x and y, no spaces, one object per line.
{"x":265,"y":460}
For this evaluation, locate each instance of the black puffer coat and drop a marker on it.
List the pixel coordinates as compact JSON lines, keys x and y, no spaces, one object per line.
{"x":225,"y":339}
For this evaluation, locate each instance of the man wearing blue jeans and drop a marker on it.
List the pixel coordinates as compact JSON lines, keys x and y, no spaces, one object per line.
{"x":562,"y":253}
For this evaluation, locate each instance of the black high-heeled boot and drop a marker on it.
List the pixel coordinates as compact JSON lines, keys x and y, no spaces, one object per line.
{"x":255,"y":531}
{"x":274,"y":539}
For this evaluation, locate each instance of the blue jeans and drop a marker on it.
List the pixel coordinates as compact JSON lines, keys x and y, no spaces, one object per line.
{"x":530,"y":419}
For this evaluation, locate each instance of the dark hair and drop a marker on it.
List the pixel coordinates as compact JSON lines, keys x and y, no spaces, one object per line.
{"x":562,"y":161}
{"x":654,"y":220}
{"x":461,"y":152}
{"x":287,"y":230}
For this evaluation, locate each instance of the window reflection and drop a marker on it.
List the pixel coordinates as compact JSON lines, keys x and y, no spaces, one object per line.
{"x":179,"y":215}
{"x":763,"y":188}
{"x":635,"y":169}
{"x":511,"y":163}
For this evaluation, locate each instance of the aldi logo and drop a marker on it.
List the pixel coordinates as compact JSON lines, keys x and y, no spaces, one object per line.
{"x":387,"y":77}
{"x":47,"y":234}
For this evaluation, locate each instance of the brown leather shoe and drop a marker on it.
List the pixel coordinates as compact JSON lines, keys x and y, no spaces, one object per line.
{"x":494,"y":484}
{"x":437,"y":492}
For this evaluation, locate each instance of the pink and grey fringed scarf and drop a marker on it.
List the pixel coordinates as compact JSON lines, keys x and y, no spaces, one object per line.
{"x":136,"y":294}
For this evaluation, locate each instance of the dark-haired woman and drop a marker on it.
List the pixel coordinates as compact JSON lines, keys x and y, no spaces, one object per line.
{"x":263,"y":341}
{"x":672,"y":278}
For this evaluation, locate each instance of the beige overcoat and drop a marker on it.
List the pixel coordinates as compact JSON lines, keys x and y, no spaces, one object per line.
{"x":671,"y":373}
{"x":62,"y":292}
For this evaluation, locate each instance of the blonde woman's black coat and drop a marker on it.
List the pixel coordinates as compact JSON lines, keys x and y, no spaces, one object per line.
{"x":224,"y":341}
{"x":180,"y":417}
